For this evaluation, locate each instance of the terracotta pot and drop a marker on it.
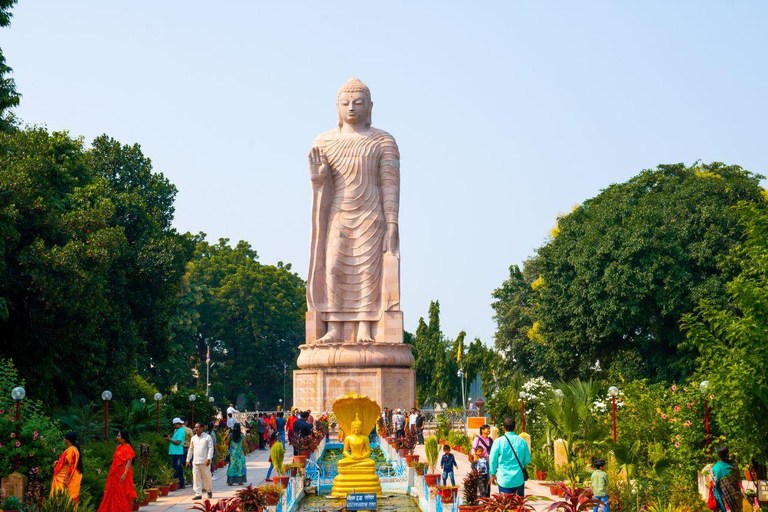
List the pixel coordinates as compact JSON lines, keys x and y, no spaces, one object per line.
{"x":306,"y":453}
{"x":174,"y":486}
{"x":282,"y":480}
{"x":447,"y":495}
{"x":145,"y":502}
{"x":561,"y":492}
{"x":135,"y":506}
{"x":301,"y":459}
{"x":294,"y":471}
{"x":272,"y":498}
{"x":402,"y":453}
{"x":152,"y":493}
{"x":410,"y":459}
{"x":468,"y":508}
{"x":553,"y":489}
{"x":431,"y":479}
{"x":164,"y":490}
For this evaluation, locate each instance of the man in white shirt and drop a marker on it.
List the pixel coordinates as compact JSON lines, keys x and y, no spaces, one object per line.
{"x":412,"y":420}
{"x":231,"y":410}
{"x":398,"y":420}
{"x":230,"y":421}
{"x":199,"y":457}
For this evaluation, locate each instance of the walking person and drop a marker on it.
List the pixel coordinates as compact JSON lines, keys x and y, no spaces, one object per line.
{"x":509,"y":456}
{"x":419,"y":427}
{"x":230,"y":421}
{"x":119,"y":492}
{"x":412,"y":420}
{"x":280,"y":427}
{"x":301,"y":429}
{"x":199,"y":457}
{"x":725,"y":474}
{"x":599,"y":481}
{"x":260,"y":429}
{"x":212,"y":433}
{"x":176,"y":450}
{"x":483,"y":441}
{"x":272,"y":440}
{"x":398,"y":420}
{"x":68,"y":473}
{"x":480,"y":463}
{"x":447,"y":463}
{"x":237,"y":471}
{"x":188,"y":432}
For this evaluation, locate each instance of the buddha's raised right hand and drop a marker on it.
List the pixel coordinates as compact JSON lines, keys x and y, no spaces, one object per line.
{"x":318,"y":165}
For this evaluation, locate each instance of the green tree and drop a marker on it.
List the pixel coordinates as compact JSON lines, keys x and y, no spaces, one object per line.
{"x":77,"y":273}
{"x":250,"y":315}
{"x":731,"y":341}
{"x":9,"y":98}
{"x":622,"y":269}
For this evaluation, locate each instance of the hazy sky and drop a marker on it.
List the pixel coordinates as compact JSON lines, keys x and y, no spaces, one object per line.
{"x":506,"y":113}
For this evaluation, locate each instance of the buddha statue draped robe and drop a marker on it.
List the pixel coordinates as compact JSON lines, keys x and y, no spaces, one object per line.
{"x":350,"y":276}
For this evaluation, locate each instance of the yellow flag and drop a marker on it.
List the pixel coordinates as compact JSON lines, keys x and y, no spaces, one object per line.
{"x":458,"y":355}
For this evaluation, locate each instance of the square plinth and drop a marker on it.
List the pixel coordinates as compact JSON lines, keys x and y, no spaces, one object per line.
{"x":316,"y":389}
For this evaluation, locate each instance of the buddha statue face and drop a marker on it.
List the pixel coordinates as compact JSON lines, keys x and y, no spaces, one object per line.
{"x":356,"y":427}
{"x":354,"y":107}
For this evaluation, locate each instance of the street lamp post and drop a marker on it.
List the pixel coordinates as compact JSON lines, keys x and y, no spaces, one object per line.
{"x":704,"y":387}
{"x":522,"y":409}
{"x":157,"y":397}
{"x":460,"y":374}
{"x":210,"y":408}
{"x":106,"y":396}
{"x":18,"y":395}
{"x":280,"y":406}
{"x":192,"y":402}
{"x":614,"y":392}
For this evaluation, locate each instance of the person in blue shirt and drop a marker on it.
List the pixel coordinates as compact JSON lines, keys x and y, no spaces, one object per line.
{"x":509,"y":456}
{"x":176,"y":450}
{"x":447,"y":463}
{"x":280,"y":422}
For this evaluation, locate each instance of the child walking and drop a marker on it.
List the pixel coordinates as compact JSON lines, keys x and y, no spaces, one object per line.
{"x":600,"y":486}
{"x":447,"y":463}
{"x":480,"y":463}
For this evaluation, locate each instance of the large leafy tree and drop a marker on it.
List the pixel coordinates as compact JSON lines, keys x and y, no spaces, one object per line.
{"x":620,"y":272}
{"x":90,"y":265}
{"x":8,"y":96}
{"x":731,"y":340}
{"x":250,"y":315}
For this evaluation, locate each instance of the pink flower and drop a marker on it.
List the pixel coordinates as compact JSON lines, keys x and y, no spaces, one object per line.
{"x":13,"y":435}
{"x":711,"y":397}
{"x":12,"y":418}
{"x":677,"y":445}
{"x":674,"y":388}
{"x":689,"y":405}
{"x":677,"y":408}
{"x":18,"y":444}
{"x":1,"y":445}
{"x":688,"y":423}
{"x":664,"y":416}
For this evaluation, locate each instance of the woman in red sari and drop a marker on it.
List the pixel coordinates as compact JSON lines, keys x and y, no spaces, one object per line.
{"x":119,"y":492}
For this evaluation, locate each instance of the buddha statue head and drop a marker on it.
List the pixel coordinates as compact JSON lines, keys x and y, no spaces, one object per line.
{"x":357,"y":425}
{"x":353,"y":103}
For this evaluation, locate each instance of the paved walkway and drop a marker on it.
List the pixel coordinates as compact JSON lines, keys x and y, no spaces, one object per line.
{"x":532,"y":487}
{"x":179,"y":501}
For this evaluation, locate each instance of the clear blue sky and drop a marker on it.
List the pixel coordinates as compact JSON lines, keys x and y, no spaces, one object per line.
{"x":506,"y":113}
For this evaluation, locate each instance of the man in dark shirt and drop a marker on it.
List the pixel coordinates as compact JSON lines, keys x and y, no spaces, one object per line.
{"x":280,"y":425}
{"x":419,"y":427}
{"x":301,"y":428}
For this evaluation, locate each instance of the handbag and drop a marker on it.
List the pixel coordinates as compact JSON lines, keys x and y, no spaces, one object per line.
{"x":711,"y":500}
{"x":525,"y":471}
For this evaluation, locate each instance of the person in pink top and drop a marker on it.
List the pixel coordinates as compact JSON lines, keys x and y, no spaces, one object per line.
{"x":483,"y":441}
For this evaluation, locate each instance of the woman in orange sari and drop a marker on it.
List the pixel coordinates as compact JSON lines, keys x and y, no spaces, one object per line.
{"x":119,"y":491}
{"x":68,"y":472}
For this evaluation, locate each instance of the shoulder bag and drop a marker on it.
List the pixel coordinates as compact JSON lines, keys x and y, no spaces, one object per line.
{"x":525,"y":471}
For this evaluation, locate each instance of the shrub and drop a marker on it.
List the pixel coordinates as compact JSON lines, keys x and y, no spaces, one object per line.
{"x":430,"y":452}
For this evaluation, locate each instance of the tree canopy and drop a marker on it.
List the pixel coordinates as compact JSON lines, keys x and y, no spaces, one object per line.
{"x":608,"y":290}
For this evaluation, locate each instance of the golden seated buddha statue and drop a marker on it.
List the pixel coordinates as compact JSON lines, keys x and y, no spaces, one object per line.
{"x":357,"y":471}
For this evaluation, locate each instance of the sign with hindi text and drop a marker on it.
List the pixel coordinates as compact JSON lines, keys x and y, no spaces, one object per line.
{"x":362,"y":501}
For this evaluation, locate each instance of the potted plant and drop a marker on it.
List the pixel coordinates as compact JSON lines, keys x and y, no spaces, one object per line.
{"x":509,"y":502}
{"x":142,"y":498}
{"x":278,"y":457}
{"x":174,"y":485}
{"x":302,"y":445}
{"x":447,"y":493}
{"x":470,"y":484}
{"x":295,"y":468}
{"x":251,"y":499}
{"x":576,"y":500}
{"x":150,"y":487}
{"x":13,"y":504}
{"x":420,"y":468}
{"x":271,"y":493}
{"x":431,"y":452}
{"x":58,"y":502}
{"x":225,"y":505}
{"x":164,"y":479}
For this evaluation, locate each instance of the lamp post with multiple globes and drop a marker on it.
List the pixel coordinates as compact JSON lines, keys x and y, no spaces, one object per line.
{"x":192,"y":399}
{"x":210,"y":408}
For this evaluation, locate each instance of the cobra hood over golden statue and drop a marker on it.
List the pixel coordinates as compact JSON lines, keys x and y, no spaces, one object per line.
{"x":356,"y":414}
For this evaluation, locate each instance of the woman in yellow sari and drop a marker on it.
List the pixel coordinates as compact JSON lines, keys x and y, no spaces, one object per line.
{"x":68,"y":472}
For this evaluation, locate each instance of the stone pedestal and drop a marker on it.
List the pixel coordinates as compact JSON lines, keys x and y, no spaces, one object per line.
{"x":14,"y":484}
{"x":317,"y":388}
